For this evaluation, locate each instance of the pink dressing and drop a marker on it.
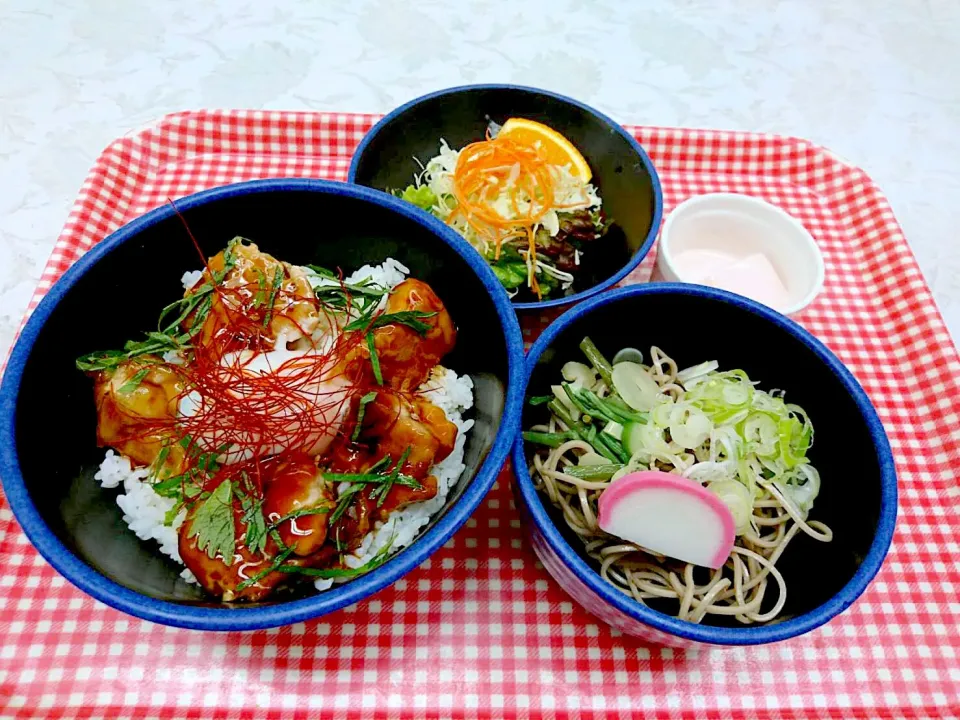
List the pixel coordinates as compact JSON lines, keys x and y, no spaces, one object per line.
{"x":750,"y":274}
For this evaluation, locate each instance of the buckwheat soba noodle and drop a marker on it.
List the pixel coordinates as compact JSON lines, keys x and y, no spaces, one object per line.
{"x":715,"y":428}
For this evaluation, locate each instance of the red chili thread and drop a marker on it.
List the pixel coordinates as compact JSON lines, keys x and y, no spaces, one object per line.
{"x":297,"y":402}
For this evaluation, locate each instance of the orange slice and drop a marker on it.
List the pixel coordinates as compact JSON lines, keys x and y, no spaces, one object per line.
{"x":553,"y":146}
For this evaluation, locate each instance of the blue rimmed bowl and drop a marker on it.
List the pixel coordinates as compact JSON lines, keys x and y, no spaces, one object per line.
{"x":858,"y":495}
{"x":626,"y":179}
{"x":48,"y":453}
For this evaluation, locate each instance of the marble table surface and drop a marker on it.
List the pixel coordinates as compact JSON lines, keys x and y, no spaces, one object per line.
{"x":874,"y":80}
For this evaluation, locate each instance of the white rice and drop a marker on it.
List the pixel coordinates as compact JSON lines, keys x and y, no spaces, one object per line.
{"x":388,"y":274}
{"x":191,"y":278}
{"x":144,"y":510}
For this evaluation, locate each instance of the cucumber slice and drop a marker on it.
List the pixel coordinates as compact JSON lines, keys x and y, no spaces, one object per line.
{"x":632,"y":437}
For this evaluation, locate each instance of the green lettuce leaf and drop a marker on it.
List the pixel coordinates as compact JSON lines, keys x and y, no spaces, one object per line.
{"x":423,"y":197}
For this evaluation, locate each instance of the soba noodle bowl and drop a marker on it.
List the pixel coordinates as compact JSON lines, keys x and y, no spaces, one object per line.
{"x":747,"y":446}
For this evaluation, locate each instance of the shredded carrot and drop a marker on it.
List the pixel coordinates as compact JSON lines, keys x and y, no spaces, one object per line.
{"x":483,"y":169}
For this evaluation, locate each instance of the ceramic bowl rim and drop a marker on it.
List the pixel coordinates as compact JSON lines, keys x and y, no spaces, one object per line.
{"x":616,"y":127}
{"x":210,"y":618}
{"x":707,"y":634}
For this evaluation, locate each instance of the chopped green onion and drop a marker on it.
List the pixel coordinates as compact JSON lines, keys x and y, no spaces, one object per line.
{"x":413,"y":319}
{"x":322,"y":271}
{"x":344,"y":501}
{"x":301,"y":512}
{"x":171,"y":488}
{"x":172,"y":513}
{"x":628,"y":354}
{"x":361,"y":411}
{"x":261,"y":295}
{"x":274,"y":566}
{"x":738,"y":499}
{"x":373,"y":479}
{"x":278,"y":276}
{"x":158,"y":462}
{"x":384,"y":489}
{"x":382,"y":555}
{"x":134,"y":382}
{"x":167,"y":336}
{"x":374,"y":358}
{"x":689,"y":427}
{"x":635,"y":386}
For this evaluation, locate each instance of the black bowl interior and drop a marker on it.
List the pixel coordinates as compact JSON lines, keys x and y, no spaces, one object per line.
{"x":694,"y":329}
{"x":461,"y":117}
{"x":121,"y":296}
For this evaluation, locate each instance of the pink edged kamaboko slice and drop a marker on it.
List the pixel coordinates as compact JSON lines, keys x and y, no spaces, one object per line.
{"x":669,"y":515}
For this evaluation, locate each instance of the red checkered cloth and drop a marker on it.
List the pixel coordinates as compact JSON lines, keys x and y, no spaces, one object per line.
{"x":480,"y":630}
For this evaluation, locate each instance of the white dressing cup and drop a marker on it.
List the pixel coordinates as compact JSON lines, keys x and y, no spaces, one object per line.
{"x":742,"y":244}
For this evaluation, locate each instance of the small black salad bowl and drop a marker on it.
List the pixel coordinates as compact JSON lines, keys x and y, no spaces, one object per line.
{"x":116,"y":291}
{"x":693,"y":324}
{"x":626,"y":180}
